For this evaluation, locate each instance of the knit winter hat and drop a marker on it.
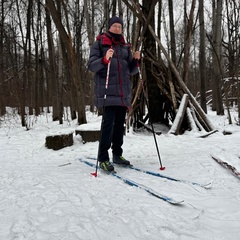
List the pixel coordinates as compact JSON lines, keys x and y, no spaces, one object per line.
{"x":114,"y":20}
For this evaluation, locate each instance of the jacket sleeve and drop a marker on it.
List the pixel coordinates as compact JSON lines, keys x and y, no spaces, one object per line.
{"x":95,"y":62}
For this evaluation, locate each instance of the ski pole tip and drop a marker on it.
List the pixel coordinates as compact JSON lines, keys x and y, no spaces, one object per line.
{"x":162,"y":168}
{"x":94,"y":174}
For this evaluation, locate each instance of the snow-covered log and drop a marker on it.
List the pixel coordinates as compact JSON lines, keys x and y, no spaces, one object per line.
{"x":191,"y":120}
{"x":180,"y":114}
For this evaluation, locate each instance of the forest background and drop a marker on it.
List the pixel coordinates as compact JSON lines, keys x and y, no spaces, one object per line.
{"x":187,"y":47}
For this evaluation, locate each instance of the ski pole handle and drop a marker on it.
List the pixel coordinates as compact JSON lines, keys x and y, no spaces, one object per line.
{"x":109,"y":53}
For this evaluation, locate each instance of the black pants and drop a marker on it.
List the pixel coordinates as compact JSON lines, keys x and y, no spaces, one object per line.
{"x":112,"y":132}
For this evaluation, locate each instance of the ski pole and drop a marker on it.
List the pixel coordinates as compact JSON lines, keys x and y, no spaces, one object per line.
{"x":150,"y":120}
{"x":104,"y":102}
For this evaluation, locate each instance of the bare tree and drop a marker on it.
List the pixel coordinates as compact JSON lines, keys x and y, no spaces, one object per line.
{"x":217,"y":56}
{"x":70,"y":59}
{"x":51,"y":74}
{"x":27,"y":62}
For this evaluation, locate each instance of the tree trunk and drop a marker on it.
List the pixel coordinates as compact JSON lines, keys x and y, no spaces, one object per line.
{"x":188,"y":39}
{"x":51,"y":77}
{"x":26,"y":65}
{"x":202,"y":57}
{"x":217,"y":58}
{"x":172,"y":32}
{"x":90,"y":34}
{"x":2,"y":102}
{"x":149,"y":45}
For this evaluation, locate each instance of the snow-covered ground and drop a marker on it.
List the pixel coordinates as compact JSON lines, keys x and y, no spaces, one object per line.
{"x":51,"y":195}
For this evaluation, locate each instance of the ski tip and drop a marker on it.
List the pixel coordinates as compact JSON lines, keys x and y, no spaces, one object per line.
{"x":208,"y":185}
{"x":162,"y":168}
{"x":175,"y":202}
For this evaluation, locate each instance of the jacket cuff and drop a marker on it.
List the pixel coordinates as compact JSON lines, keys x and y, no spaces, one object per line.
{"x":105,"y":61}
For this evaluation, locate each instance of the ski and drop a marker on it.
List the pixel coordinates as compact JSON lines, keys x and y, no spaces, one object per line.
{"x":206,"y":185}
{"x":227,"y":166}
{"x":140,"y":186}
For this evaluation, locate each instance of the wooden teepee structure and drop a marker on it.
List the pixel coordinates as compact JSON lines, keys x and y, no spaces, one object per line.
{"x":179,"y":105}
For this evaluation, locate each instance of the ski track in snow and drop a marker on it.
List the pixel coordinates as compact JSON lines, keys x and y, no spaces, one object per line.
{"x":50,"y":195}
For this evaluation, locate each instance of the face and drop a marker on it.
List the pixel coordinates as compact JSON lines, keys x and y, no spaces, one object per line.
{"x":116,"y":28}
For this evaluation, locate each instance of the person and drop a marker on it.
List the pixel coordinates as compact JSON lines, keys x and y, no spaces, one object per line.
{"x":111,"y":50}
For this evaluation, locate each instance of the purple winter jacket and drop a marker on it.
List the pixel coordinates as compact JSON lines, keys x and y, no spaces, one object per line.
{"x":118,"y":92}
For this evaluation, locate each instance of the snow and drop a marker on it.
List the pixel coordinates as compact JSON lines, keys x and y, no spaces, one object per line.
{"x":51,"y":195}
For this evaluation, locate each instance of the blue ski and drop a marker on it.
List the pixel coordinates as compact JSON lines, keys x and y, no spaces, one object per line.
{"x":206,"y":186}
{"x":134,"y":184}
